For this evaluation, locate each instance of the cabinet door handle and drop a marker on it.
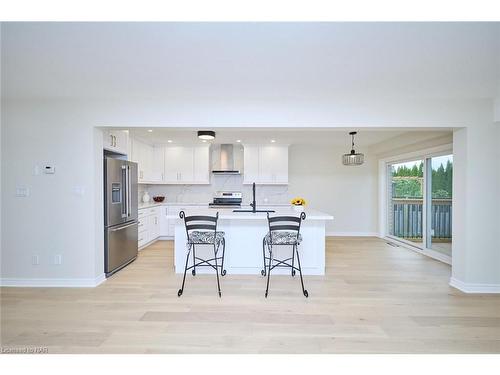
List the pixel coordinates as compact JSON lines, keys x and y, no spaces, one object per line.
{"x":111,"y":137}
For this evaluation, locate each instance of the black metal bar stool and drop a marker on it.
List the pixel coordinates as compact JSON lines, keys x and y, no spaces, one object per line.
{"x":202,"y":230}
{"x":283,"y":231}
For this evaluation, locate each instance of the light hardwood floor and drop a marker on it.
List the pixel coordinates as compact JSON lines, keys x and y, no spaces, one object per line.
{"x":374,"y":299}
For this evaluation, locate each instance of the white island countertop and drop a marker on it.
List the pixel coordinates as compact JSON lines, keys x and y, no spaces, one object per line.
{"x":228,"y":214}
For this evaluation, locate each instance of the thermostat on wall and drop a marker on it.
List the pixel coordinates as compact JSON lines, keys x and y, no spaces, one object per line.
{"x":49,"y":169}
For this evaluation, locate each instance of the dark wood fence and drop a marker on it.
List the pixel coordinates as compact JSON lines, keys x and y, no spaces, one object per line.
{"x":407,"y":218}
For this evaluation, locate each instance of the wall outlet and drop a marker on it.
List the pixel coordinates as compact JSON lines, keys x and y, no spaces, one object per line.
{"x":49,"y":169}
{"x":58,"y":259}
{"x":35,"y":260}
{"x":79,"y":190}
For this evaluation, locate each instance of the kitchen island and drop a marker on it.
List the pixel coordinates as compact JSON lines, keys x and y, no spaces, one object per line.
{"x":244,"y":232}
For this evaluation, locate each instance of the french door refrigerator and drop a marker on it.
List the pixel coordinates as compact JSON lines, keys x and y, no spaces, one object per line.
{"x":120,"y":214}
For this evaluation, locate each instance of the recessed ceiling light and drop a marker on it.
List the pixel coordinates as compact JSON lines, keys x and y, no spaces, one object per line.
{"x":169,"y":141}
{"x":206,"y":134}
{"x":273,"y":141}
{"x":238,"y":140}
{"x":150,"y":130}
{"x":204,"y":140}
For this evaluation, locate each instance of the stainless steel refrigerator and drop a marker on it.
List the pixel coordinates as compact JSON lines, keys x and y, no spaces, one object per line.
{"x":120,"y":214}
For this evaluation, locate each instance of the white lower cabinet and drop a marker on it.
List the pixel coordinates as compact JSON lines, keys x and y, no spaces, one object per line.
{"x":149,"y":225}
{"x":153,"y":222}
{"x":163,"y":221}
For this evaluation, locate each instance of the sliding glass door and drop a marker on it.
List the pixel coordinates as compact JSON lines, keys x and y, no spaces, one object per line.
{"x":420,"y":203}
{"x":406,"y":192}
{"x":439,"y":198}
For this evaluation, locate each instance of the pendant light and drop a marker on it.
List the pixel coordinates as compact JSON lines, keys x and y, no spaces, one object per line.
{"x":206,"y":134}
{"x":353,"y":158}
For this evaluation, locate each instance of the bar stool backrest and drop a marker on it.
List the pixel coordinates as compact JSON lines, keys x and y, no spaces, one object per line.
{"x":199,"y":222}
{"x":285,"y":223}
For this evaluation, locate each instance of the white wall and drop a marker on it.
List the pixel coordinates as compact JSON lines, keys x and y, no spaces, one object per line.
{"x":348,"y":193}
{"x":476,"y":184}
{"x":53,"y":219}
{"x":497,"y":110}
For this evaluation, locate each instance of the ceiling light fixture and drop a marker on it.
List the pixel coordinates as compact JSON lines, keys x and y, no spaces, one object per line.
{"x":206,"y":134}
{"x":150,"y":130}
{"x":169,"y":141}
{"x":353,"y":158}
{"x":238,"y":140}
{"x":273,"y":141}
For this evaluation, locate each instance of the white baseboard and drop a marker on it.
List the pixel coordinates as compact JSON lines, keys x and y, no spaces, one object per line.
{"x":352,"y":234}
{"x":474,"y":287}
{"x":53,"y":283}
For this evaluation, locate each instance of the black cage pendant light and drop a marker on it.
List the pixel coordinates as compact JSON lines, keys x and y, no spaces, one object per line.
{"x":353,"y":158}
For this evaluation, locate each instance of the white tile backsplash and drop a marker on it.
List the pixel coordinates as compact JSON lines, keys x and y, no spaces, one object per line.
{"x":205,"y":193}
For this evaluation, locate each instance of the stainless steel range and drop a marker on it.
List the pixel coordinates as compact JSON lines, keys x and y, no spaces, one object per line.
{"x":226,"y":199}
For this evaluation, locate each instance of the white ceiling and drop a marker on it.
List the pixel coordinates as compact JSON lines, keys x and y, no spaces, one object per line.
{"x":334,"y":137}
{"x":228,"y":60}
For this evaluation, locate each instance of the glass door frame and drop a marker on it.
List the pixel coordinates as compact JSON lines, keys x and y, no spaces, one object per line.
{"x":425,"y":156}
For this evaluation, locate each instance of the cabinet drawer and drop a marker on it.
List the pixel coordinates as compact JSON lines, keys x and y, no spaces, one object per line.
{"x":142,"y":213}
{"x":143,"y":238}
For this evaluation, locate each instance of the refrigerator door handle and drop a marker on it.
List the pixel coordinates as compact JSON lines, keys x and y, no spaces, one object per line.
{"x":124,"y":193}
{"x":120,"y":228}
{"x":129,"y":188}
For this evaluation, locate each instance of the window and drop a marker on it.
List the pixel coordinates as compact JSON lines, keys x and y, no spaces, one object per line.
{"x":419,"y":200}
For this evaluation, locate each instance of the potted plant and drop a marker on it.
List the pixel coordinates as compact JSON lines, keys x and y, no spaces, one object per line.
{"x":298,"y":203}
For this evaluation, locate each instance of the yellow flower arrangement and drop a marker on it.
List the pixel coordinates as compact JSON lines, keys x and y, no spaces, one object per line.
{"x":298,"y":201}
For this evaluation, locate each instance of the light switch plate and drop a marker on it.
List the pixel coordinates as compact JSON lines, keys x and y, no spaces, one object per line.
{"x":22,"y":191}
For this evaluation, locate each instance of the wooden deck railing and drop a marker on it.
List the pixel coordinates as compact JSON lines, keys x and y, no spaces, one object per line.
{"x":407,"y":218}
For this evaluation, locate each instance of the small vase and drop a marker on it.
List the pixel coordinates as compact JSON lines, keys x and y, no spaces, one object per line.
{"x":298,"y":208}
{"x":146,"y":197}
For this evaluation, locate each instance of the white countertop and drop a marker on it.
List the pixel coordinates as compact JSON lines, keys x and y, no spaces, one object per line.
{"x":154,"y":204}
{"x":228,"y":214}
{"x":143,"y":205}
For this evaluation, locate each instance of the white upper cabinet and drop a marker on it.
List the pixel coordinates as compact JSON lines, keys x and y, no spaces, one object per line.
{"x":171,"y":164}
{"x":201,"y":165}
{"x":251,"y":164}
{"x":116,"y":141}
{"x":178,"y":163}
{"x":142,"y":154}
{"x":186,"y":165}
{"x":266,"y":165}
{"x":157,"y":164}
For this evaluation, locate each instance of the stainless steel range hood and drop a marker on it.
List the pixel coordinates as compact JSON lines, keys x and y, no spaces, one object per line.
{"x":225,"y":160}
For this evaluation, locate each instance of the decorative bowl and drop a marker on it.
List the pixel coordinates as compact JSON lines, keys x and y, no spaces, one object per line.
{"x":158,"y":199}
